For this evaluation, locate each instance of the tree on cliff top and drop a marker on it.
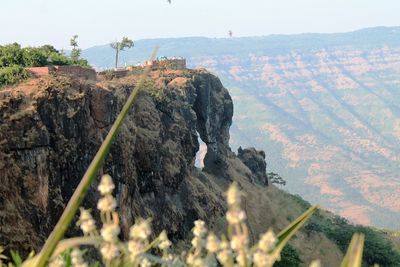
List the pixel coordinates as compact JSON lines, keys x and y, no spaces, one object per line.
{"x":76,"y":52}
{"x":120,"y":46}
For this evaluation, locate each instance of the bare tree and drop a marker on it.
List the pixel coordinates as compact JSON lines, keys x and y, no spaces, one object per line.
{"x":121,"y":46}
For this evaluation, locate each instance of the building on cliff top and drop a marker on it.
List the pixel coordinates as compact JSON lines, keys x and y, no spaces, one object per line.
{"x":175,"y":63}
{"x":75,"y":71}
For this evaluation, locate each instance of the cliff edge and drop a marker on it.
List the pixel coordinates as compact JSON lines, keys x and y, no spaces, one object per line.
{"x":52,"y":127}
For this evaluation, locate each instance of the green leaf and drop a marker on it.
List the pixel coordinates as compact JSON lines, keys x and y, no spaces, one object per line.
{"x":64,"y":246}
{"x":67,"y":257}
{"x":285,"y":235}
{"x":353,"y":257}
{"x":16,"y":258}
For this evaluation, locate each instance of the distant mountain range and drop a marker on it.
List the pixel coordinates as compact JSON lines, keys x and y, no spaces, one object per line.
{"x":324,"y":107}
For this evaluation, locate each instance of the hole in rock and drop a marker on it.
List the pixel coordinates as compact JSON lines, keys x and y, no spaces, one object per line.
{"x":201,"y":153}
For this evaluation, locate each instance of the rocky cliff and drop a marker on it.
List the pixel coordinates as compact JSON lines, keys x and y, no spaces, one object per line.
{"x":51,"y":130}
{"x":52,"y":127}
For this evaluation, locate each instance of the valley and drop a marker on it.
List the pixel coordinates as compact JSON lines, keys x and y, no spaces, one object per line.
{"x":324,"y":107}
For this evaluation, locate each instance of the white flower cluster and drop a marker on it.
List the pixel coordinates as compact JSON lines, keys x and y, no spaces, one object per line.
{"x":77,"y":259}
{"x":57,"y":262}
{"x":87,"y":223}
{"x":164,"y":241}
{"x":207,"y":249}
{"x":316,"y":263}
{"x":263,"y":255}
{"x":234,"y":250}
{"x":110,"y":230}
{"x":138,"y":241}
{"x":237,"y":250}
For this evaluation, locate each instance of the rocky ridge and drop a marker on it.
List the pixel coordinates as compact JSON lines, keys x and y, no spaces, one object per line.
{"x":52,"y":127}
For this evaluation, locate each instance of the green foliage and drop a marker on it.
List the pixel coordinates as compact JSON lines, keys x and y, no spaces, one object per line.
{"x":121,"y":46}
{"x":14,"y":59}
{"x":187,"y":73}
{"x":15,"y":55}
{"x":148,"y":85}
{"x":34,"y":57}
{"x":76,"y":51}
{"x":66,"y":256}
{"x":12,"y":75}
{"x":290,"y":257}
{"x":303,"y":203}
{"x":377,"y":249}
{"x":275,"y":178}
{"x":16,"y":258}
{"x":11,"y":55}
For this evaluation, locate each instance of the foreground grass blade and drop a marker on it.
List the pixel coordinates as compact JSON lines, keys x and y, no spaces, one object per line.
{"x":63,"y":246}
{"x":16,"y":258}
{"x":91,"y":172}
{"x":353,"y":257}
{"x":287,"y":233}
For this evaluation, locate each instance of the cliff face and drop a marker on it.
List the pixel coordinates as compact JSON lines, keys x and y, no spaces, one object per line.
{"x":52,"y":127}
{"x":51,"y":130}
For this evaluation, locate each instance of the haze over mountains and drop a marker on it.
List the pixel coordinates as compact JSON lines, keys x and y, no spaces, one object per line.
{"x":324,"y":107}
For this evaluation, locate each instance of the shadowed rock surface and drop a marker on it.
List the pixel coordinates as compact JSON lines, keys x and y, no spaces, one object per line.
{"x":255,"y":161}
{"x":51,"y":131}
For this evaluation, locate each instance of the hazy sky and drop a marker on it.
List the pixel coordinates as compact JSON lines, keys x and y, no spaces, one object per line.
{"x":36,"y":22}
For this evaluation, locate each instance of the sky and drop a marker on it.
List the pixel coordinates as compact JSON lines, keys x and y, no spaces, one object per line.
{"x":97,"y":22}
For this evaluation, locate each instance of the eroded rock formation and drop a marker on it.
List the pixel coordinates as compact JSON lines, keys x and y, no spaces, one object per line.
{"x":52,"y":128}
{"x":255,"y":161}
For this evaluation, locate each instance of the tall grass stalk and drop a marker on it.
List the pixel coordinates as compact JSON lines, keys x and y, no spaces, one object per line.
{"x":353,"y":257}
{"x":90,"y":174}
{"x":286,"y":234}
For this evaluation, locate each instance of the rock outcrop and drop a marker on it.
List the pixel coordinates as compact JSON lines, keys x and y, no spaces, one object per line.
{"x":51,"y":130}
{"x":214,"y":110}
{"x":255,"y":161}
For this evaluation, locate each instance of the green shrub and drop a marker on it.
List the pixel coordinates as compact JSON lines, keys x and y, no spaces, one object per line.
{"x":14,"y":58}
{"x":290,"y":257}
{"x":148,"y":85}
{"x":303,"y":203}
{"x":12,"y":75}
{"x":15,"y":55}
{"x":377,"y":248}
{"x":11,"y":55}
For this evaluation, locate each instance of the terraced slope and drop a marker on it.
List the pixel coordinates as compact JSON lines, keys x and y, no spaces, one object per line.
{"x":324,"y":107}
